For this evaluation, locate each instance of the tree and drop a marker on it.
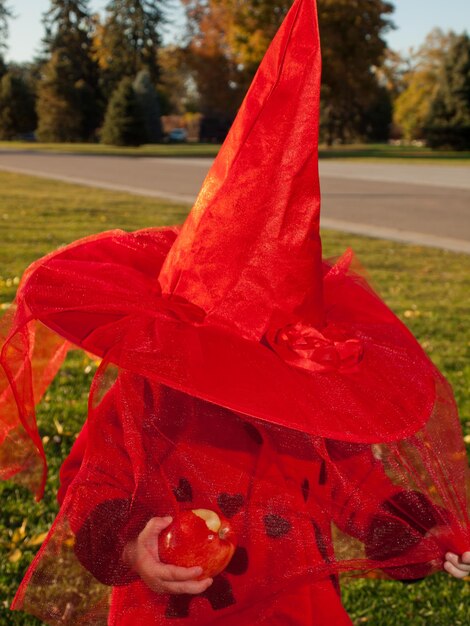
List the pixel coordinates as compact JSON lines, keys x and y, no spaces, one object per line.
{"x":376,"y":119}
{"x":412,"y":105}
{"x":392,"y":73}
{"x":147,"y":99}
{"x":448,"y":122}
{"x":124,"y":124}
{"x":177,"y":89}
{"x":353,"y":47}
{"x":251,"y":27}
{"x":128,"y":40}
{"x":59,"y":106}
{"x":17,"y":114}
{"x":228,"y":39}
{"x":5,"y":14}
{"x":69,"y":106}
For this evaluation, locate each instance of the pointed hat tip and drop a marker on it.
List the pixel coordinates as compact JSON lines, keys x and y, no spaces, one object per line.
{"x":251,"y":245}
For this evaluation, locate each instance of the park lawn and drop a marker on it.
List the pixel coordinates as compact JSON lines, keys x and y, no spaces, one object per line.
{"x":402,"y":154}
{"x":151,"y":150}
{"x":428,"y":288}
{"x":361,"y":152}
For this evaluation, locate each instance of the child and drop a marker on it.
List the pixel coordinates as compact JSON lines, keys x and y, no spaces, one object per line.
{"x":241,"y":374}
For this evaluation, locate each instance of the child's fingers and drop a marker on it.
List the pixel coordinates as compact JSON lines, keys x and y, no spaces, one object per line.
{"x":192,"y":586}
{"x":156,"y":525}
{"x":462,"y":562}
{"x":174,"y":573}
{"x":171,"y":579}
{"x":149,"y":536}
{"x":454,"y":571}
{"x":457,"y":566}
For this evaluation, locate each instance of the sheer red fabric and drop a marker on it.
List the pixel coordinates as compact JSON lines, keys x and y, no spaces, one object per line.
{"x":239,"y":373}
{"x":305,"y":506}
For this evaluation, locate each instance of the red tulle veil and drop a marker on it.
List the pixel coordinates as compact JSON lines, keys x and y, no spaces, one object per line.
{"x":240,"y":372}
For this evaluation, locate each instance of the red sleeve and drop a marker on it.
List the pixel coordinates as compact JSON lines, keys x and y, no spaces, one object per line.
{"x":389,"y":519}
{"x":100,"y":506}
{"x":358,"y":486}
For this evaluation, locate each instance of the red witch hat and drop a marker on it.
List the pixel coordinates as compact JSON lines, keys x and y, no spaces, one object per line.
{"x":244,"y":313}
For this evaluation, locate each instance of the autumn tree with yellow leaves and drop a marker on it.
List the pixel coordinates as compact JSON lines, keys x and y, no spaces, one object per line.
{"x":420,"y":85}
{"x":228,"y":39}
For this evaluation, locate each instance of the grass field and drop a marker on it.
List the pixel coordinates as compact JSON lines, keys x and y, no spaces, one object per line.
{"x":363,"y":152}
{"x":429,"y":289}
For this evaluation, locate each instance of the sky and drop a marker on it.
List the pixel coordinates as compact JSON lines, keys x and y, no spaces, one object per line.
{"x":413,"y":18}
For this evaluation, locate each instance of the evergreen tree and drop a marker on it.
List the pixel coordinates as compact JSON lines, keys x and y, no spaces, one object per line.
{"x":17,"y":114}
{"x":128,"y":40}
{"x":5,"y":14}
{"x":147,"y":98}
{"x":69,"y":107}
{"x":449,"y":115}
{"x":124,"y":124}
{"x":61,"y":103}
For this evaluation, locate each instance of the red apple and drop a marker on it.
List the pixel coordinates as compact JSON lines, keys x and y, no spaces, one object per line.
{"x":198,"y":537}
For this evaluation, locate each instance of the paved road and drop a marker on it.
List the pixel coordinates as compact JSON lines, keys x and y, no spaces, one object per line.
{"x":424,"y":204}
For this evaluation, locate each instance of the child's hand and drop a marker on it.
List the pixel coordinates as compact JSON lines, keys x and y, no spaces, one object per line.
{"x":142,"y":555}
{"x":457,"y":566}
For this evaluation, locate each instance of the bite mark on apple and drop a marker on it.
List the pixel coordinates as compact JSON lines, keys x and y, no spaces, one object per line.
{"x":210,"y":517}
{"x":276,"y":526}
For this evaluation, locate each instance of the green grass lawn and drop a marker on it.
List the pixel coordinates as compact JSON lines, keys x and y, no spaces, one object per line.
{"x":404,"y":154}
{"x":428,"y":288}
{"x":367,"y":152}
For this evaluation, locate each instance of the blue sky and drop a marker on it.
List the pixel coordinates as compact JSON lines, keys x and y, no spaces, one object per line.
{"x":414,"y":19}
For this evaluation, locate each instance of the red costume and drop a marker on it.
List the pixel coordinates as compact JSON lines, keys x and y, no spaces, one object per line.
{"x":242,"y":374}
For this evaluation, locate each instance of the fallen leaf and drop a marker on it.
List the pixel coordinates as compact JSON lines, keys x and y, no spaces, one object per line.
{"x":15,"y":556}
{"x":19,"y":533}
{"x":36,"y":540}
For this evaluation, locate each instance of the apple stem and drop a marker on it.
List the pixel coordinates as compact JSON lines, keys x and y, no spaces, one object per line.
{"x":223,"y":532}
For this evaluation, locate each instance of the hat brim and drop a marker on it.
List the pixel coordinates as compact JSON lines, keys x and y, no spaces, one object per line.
{"x":102,"y":294}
